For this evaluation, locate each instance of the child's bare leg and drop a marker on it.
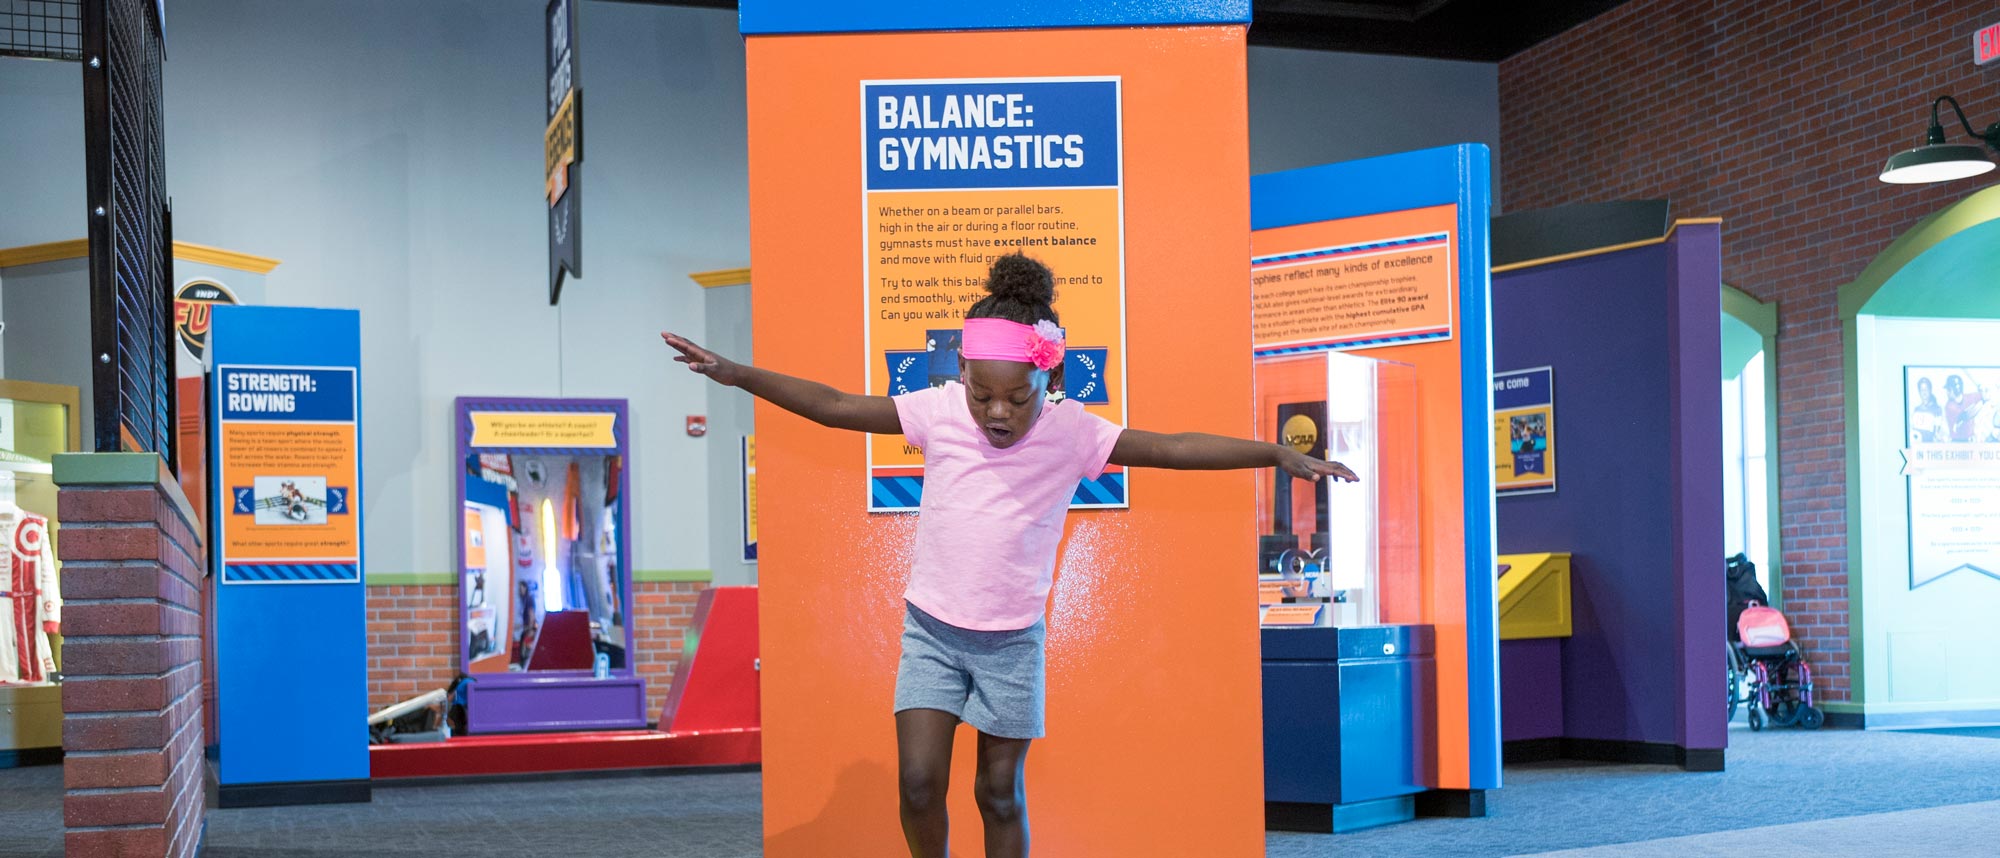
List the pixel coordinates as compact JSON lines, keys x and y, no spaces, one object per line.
{"x":923,"y":754}
{"x":1000,"y":789}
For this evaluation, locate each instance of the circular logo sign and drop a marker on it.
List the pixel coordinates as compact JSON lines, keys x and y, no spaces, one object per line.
{"x":1301,"y":433}
{"x":192,"y":317}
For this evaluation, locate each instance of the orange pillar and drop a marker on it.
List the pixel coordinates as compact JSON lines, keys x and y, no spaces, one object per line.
{"x":1153,"y":704}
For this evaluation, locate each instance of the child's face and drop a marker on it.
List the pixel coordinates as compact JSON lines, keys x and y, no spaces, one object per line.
{"x":1005,"y":397}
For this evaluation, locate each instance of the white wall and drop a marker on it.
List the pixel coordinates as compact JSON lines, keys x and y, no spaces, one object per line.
{"x":388,"y":151}
{"x":1928,"y":651}
{"x":1315,"y":107}
{"x":42,"y":188}
{"x":729,"y":419}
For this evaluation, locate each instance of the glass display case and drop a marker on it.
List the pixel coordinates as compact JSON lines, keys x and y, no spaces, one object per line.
{"x":544,"y":573}
{"x":37,"y":421}
{"x":1334,"y":553}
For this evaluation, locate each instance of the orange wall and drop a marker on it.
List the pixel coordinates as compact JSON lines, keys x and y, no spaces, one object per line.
{"x":1154,"y":719}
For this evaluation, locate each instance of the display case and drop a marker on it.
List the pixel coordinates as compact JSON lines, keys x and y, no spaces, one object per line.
{"x":545,"y":579}
{"x":37,"y":421}
{"x":1332,"y":553}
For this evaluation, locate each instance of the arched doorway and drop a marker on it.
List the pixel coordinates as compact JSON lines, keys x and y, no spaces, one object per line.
{"x":1922,"y":336}
{"x":1750,"y":434}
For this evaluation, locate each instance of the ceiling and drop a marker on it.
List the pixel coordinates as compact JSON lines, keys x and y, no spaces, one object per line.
{"x":1480,"y":30}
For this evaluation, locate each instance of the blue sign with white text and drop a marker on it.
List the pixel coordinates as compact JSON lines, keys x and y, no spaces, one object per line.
{"x":992,"y":134}
{"x":306,"y":394}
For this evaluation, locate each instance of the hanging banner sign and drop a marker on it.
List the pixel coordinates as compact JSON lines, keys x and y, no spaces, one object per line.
{"x":959,"y":173}
{"x":1524,"y":431}
{"x":1952,"y":466}
{"x":1353,"y":283}
{"x":288,"y":457}
{"x":562,"y":148}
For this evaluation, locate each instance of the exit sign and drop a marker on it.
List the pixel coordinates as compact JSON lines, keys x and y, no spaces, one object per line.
{"x":1986,"y":45}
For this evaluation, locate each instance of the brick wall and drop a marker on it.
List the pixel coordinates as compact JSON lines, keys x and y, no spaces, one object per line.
{"x":412,"y":642}
{"x":132,"y":706}
{"x":1775,"y":117}
{"x":413,"y":638}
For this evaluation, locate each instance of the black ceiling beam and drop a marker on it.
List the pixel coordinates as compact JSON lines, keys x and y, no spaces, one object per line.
{"x":1476,"y":30}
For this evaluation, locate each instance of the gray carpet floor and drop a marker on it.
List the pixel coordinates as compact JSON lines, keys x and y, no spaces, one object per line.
{"x":1830,"y":793}
{"x":1980,"y":732}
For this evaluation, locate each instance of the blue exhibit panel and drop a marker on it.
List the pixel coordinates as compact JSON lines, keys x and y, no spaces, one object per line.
{"x":291,"y":637}
{"x":774,"y":17}
{"x":1451,"y":175}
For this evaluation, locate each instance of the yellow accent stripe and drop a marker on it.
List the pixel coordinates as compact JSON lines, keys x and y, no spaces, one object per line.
{"x":1596,"y":251}
{"x":79,"y":248}
{"x":54,"y":250}
{"x":724,"y":277}
{"x":224,"y":258}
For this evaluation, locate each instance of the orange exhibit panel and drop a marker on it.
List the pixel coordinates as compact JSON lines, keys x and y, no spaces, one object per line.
{"x":895,"y":149}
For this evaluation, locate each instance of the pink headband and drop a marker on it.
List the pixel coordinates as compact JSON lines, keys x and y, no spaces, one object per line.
{"x":1040,"y":344}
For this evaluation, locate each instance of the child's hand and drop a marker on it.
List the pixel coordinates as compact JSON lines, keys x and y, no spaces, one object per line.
{"x":718,"y":368}
{"x":1308,"y":468}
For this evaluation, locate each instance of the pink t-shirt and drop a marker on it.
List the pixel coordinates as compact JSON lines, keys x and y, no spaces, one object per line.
{"x":991,"y":519}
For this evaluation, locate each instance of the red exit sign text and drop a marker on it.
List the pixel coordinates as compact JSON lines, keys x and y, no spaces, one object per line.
{"x":1986,"y":45}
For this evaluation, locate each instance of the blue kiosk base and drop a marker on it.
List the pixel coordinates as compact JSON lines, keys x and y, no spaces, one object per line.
{"x":1338,"y":818}
{"x":1349,"y":726}
{"x":283,"y":794}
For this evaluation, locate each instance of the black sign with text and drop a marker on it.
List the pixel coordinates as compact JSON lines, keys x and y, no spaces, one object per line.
{"x":562,"y":144}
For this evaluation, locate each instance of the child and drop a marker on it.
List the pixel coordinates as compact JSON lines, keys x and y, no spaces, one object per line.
{"x":1000,"y":465}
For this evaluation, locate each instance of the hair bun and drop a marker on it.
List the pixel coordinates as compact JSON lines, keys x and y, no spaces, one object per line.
{"x":1015,"y":277}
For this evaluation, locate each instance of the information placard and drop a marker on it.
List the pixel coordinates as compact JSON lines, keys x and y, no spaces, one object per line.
{"x":1952,"y":465}
{"x":1353,"y":283}
{"x":288,"y":456}
{"x":959,"y":173}
{"x":1524,"y":431}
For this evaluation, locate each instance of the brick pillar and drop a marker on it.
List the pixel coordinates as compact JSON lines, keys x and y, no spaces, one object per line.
{"x":132,"y":568}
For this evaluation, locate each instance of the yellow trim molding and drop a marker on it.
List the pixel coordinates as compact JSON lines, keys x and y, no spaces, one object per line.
{"x":220,"y":258}
{"x":1595,"y":251}
{"x":79,"y":248}
{"x":724,"y":277}
{"x":54,"y":250}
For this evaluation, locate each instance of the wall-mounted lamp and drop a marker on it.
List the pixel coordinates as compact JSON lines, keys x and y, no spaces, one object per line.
{"x":1938,"y":161}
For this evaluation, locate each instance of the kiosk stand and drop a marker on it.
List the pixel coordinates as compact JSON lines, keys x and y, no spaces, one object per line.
{"x":1349,"y":709}
{"x":1381,"y":674}
{"x":545,"y":589}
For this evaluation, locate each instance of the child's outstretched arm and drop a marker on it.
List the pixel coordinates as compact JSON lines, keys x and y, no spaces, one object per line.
{"x":1196,"y":451}
{"x":809,"y":399}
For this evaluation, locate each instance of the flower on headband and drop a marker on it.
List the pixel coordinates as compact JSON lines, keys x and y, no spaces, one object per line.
{"x":1045,"y":345}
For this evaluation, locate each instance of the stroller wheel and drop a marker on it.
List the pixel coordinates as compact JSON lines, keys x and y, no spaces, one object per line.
{"x":1756,"y":718}
{"x":1811,"y":718}
{"x":1785,"y":712}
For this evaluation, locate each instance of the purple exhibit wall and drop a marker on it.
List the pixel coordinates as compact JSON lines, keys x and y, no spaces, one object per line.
{"x":1634,"y":338}
{"x":1531,"y":691}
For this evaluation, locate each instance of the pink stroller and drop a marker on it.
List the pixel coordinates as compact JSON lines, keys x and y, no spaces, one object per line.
{"x":1773,"y":672}
{"x":1766,"y":668}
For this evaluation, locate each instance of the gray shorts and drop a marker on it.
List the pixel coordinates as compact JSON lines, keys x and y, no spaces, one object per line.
{"x":991,"y":680}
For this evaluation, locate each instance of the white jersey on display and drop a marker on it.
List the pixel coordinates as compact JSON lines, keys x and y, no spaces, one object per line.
{"x":30,"y":602}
